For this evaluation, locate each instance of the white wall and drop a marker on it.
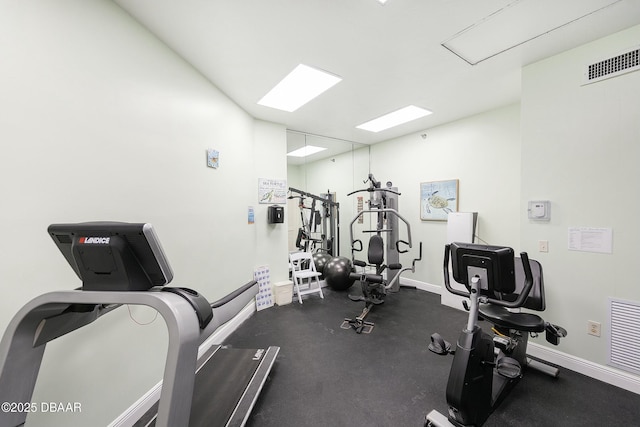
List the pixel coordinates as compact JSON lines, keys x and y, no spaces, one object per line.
{"x":580,"y":150}
{"x":101,"y":121}
{"x":483,"y":153}
{"x":269,"y":155}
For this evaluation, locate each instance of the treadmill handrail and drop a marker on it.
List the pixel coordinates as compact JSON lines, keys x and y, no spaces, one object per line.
{"x":20,"y":360}
{"x":222,"y":301}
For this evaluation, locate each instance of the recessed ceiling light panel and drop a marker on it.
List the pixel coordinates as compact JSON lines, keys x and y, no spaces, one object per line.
{"x":299,"y":87}
{"x":396,"y":118}
{"x":305,"y":151}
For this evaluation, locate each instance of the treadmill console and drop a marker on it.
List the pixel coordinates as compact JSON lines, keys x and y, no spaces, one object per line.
{"x":113,"y":256}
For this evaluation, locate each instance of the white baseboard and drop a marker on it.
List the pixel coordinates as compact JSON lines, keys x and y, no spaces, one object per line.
{"x":594,"y":370}
{"x":423,"y":286}
{"x":607,"y":374}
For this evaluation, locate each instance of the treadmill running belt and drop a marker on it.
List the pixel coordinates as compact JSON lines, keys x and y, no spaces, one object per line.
{"x":220,"y":384}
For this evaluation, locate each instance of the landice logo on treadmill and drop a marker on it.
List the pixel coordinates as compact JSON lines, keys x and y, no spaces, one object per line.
{"x":95,"y":240}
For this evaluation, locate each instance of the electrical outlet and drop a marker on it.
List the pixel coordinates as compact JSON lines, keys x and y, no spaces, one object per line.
{"x":593,"y":328}
{"x":543,"y":245}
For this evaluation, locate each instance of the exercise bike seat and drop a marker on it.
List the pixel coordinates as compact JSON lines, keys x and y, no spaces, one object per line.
{"x":503,"y":318}
{"x":527,"y":322}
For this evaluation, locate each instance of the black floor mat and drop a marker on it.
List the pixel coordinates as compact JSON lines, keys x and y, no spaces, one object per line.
{"x":328,"y":376}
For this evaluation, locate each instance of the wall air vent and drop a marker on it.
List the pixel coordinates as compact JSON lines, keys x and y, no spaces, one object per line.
{"x":624,"y":335}
{"x":613,"y":67}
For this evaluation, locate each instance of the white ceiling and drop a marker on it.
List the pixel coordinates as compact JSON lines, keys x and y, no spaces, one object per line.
{"x":389,"y":56}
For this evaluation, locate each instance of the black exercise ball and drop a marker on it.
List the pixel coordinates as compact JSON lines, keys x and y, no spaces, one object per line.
{"x":320,"y":259}
{"x":336,"y":273}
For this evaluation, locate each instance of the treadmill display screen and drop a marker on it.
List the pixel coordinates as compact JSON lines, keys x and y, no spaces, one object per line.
{"x":113,"y":256}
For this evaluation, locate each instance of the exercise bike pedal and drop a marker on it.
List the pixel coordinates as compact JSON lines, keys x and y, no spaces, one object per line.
{"x":439,"y":345}
{"x":508,"y":367}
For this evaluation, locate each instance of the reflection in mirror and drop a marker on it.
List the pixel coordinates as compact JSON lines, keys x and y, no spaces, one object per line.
{"x":329,"y":174}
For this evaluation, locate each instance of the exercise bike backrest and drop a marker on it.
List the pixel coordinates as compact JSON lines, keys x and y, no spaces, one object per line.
{"x":500,"y":265}
{"x":535,"y":299}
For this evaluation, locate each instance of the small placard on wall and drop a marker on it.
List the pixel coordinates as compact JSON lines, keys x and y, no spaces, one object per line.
{"x":213,"y":158}
{"x":251,"y":216}
{"x":591,"y":239}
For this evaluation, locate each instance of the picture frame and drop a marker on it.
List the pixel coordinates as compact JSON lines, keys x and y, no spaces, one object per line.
{"x":437,"y":199}
{"x":272,"y":191}
{"x":213,"y":158}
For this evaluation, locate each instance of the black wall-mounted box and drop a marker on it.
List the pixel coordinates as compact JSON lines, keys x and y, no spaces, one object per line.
{"x":275,"y":214}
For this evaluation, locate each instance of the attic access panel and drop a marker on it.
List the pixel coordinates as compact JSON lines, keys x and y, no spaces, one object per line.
{"x":516,"y":23}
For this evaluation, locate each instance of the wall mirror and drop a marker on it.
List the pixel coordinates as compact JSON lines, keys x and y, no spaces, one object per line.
{"x":331,"y":173}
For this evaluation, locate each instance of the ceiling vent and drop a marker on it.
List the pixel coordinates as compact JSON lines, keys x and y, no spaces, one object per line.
{"x":612,"y":67}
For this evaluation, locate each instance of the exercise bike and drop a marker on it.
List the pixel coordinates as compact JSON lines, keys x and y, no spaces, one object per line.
{"x":486,"y":367}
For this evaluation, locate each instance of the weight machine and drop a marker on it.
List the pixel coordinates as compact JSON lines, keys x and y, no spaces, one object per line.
{"x":327,"y":216}
{"x":382,"y":256}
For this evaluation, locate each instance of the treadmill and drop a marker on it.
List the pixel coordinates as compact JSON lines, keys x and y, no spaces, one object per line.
{"x":123,"y":263}
{"x":228,"y":380}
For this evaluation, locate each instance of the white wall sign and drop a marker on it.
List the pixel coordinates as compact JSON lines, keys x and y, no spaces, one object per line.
{"x":591,"y":239}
